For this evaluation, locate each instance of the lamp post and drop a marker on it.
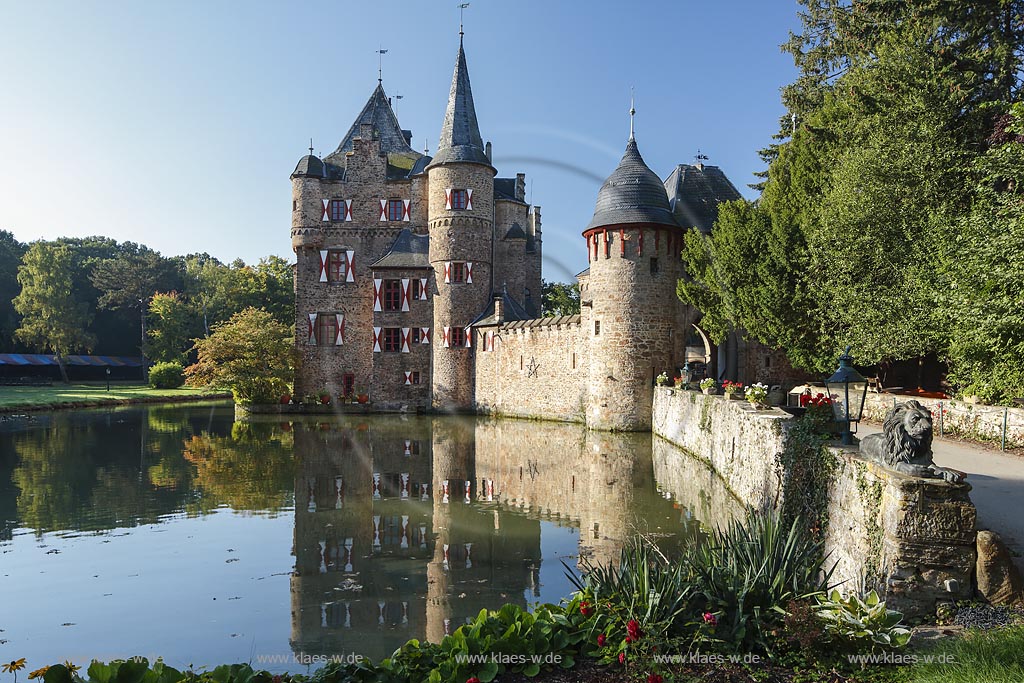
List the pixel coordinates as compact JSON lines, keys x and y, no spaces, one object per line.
{"x":687,"y":374}
{"x":108,"y":379}
{"x":847,"y":388}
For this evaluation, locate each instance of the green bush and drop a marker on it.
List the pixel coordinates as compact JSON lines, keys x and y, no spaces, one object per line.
{"x":166,"y":375}
{"x":855,"y":623}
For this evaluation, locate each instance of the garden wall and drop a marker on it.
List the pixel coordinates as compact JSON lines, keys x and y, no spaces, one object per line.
{"x":911,"y":539}
{"x":959,"y":418}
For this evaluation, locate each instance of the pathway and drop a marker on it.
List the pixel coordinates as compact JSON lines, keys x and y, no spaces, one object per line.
{"x":998,"y":486}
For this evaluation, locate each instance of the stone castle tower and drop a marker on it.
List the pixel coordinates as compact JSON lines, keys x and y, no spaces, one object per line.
{"x":394,"y":252}
{"x":633,"y":244}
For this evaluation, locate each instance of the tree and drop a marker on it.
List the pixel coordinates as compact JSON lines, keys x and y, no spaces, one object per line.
{"x":172,"y":326}
{"x":560,"y":298}
{"x":252,"y":354}
{"x":51,"y":318}
{"x":11,"y":252}
{"x":129,"y":280}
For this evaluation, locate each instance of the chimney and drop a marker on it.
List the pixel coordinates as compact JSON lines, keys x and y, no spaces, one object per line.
{"x":487,"y":151}
{"x":521,"y":187}
{"x":535,"y":221}
{"x":499,"y":308}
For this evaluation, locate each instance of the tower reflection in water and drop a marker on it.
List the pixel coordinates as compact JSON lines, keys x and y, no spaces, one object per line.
{"x":408,"y":527}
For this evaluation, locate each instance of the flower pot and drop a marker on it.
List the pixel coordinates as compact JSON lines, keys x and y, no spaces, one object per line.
{"x":734,"y":396}
{"x":710,"y":391}
{"x":325,"y":400}
{"x":363,"y":398}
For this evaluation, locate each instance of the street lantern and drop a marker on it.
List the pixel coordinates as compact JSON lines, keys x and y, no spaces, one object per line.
{"x":108,"y":379}
{"x":847,"y":389}
{"x":686,"y":375}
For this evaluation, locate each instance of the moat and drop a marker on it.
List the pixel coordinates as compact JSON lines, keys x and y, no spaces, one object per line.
{"x":176,"y":531}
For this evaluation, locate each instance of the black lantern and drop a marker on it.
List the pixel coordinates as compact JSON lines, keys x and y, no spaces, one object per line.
{"x":686,"y":375}
{"x":847,"y":389}
{"x":108,"y":379}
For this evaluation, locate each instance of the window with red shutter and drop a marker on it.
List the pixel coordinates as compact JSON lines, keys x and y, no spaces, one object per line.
{"x":458,"y":337}
{"x":458,"y":200}
{"x":458,"y":272}
{"x":396,"y":209}
{"x":326,"y":329}
{"x":337,"y":266}
{"x":337,"y":209}
{"x":392,"y":339}
{"x":392,"y":295}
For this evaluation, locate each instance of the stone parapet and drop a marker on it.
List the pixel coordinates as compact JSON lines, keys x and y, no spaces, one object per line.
{"x":958,"y":418}
{"x":912,"y":539}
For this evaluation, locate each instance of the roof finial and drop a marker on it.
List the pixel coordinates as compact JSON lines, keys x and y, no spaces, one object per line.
{"x":462,"y":9}
{"x":632,"y":112}
{"x":426,"y":147}
{"x":311,"y":145}
{"x":380,"y":65}
{"x":701,"y":158}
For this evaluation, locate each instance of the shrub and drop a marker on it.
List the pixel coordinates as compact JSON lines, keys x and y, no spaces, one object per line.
{"x":166,"y":375}
{"x":855,"y":623}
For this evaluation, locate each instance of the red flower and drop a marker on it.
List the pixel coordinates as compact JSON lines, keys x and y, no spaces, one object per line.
{"x":633,"y":629}
{"x":629,"y":639}
{"x":654,"y":678}
{"x":601,"y":640}
{"x":622,"y":658}
{"x":472,"y":679}
{"x":585,"y":608}
{"x":710,"y":619}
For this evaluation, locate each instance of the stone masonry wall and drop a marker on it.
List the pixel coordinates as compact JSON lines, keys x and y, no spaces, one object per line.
{"x":538,"y":369}
{"x":959,"y":418}
{"x":911,"y":539}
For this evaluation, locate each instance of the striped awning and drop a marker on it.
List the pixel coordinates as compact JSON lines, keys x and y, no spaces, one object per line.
{"x":25,"y":359}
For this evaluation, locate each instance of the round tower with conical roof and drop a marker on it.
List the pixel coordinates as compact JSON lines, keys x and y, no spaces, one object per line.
{"x":633,"y":244}
{"x":460,"y":221}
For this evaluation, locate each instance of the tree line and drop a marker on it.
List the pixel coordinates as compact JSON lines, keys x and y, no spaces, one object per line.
{"x":97,"y":295}
{"x":891,"y":215}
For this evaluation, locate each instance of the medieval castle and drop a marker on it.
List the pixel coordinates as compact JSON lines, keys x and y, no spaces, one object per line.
{"x":418,"y":279}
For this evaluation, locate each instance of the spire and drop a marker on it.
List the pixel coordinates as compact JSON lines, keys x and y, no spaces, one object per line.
{"x":632,"y":112}
{"x":460,"y":138}
{"x":379,"y":114}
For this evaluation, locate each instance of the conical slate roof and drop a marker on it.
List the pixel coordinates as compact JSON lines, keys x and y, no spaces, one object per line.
{"x":632,"y":194}
{"x":460,"y":134}
{"x":381,"y":116}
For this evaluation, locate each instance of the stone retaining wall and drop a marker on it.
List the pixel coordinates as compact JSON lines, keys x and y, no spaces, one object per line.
{"x":959,"y":418}
{"x":911,"y":539}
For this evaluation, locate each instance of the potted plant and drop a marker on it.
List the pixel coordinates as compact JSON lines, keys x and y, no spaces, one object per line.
{"x":757,"y":395}
{"x":362,"y":396}
{"x":708,"y":386}
{"x":286,"y":398}
{"x":662,"y":379}
{"x":732,"y":390}
{"x":325,"y":397}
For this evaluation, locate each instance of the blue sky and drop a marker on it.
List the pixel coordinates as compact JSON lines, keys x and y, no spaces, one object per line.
{"x":178,"y":124}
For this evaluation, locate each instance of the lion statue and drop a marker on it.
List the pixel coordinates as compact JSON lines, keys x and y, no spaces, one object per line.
{"x":905,"y":444}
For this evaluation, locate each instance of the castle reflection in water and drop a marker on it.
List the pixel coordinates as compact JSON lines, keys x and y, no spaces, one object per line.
{"x":408,"y":527}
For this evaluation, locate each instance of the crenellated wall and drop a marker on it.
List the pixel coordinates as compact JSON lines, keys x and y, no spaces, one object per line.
{"x":910,"y":538}
{"x":537,"y":369}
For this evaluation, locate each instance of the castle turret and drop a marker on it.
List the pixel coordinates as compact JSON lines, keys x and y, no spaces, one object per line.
{"x":633,"y":244}
{"x":460,"y":221}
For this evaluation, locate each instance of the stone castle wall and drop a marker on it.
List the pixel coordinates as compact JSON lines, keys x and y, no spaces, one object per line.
{"x":538,"y":369}
{"x":911,"y":539}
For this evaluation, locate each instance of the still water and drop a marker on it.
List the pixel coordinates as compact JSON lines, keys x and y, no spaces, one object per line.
{"x":176,"y":531}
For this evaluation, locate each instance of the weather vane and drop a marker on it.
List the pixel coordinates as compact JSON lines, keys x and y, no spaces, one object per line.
{"x":397,"y":97}
{"x":311,"y":145}
{"x":462,"y":10}
{"x":380,"y":64}
{"x":632,"y":112}
{"x":701,"y":158}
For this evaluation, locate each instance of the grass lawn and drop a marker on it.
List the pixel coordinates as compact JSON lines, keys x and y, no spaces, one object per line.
{"x":41,"y":398}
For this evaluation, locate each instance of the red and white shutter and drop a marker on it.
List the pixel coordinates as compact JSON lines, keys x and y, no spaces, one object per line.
{"x":408,"y":443}
{"x":447,"y":272}
{"x":469,"y":199}
{"x":406,"y":210}
{"x":327,"y":210}
{"x":408,"y":380}
{"x":489,"y":341}
{"x":376,"y":294}
{"x":423,"y":289}
{"x":406,"y":338}
{"x":468,"y":334}
{"x":350,"y":266}
{"x":323,"y":266}
{"x":348,"y":210}
{"x":469,"y":272}
{"x":383,"y":209}
{"x":312,"y":328}
{"x":448,"y":198}
{"x":425,"y":335}
{"x":376,"y":339}
{"x":339,"y":323}
{"x":446,"y":337}
{"x":405,"y":293}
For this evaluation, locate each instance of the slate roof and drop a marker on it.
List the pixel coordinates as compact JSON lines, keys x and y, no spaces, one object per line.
{"x":633,"y":193}
{"x":695,"y":191}
{"x":460,"y":134}
{"x":409,"y":250}
{"x":505,"y":188}
{"x":516,"y":232}
{"x":512,"y":310}
{"x":381,"y":116}
{"x":309,"y":165}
